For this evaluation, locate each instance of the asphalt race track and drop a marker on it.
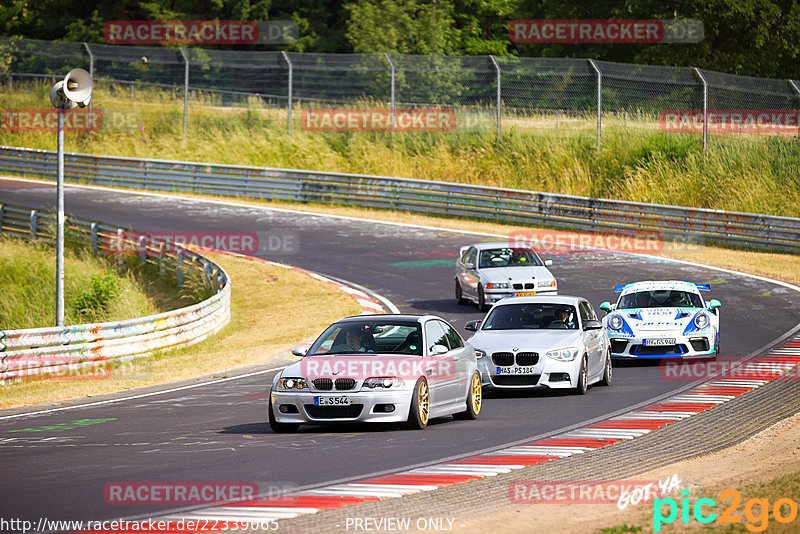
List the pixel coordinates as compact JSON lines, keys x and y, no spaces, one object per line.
{"x":219,"y":432}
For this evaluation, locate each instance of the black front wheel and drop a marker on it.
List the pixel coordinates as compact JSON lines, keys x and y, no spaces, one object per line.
{"x":607,"y":371}
{"x":420,"y":406}
{"x":460,"y":294}
{"x":482,"y":300}
{"x":583,"y":379}
{"x":474,"y":399}
{"x":281,"y":428}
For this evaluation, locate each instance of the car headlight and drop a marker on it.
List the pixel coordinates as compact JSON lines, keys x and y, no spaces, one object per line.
{"x":383,"y":382}
{"x":546,"y":283}
{"x":479,"y":354}
{"x":701,"y":320}
{"x":292,"y":383}
{"x":615,"y":322}
{"x":497,"y":285}
{"x":563,"y":355}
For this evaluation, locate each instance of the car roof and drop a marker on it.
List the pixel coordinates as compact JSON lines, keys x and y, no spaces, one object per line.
{"x":389,"y":317}
{"x":548,"y":299}
{"x":660,"y":285}
{"x":498,"y":244}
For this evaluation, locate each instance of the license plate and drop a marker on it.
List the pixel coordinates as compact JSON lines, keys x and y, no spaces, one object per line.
{"x":524,"y":293}
{"x":660,"y":342}
{"x":332,"y":401}
{"x":515,"y":371}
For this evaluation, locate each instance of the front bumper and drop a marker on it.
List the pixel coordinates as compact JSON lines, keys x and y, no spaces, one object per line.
{"x":299,"y":407}
{"x":700,"y":345}
{"x":547,"y":374}
{"x":495,"y":295}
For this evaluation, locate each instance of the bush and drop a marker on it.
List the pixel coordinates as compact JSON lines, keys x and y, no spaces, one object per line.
{"x":98,"y":296}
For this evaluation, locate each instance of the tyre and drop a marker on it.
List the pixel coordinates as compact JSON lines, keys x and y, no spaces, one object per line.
{"x":583,"y":379}
{"x":716,"y":348}
{"x":459,"y":294}
{"x":607,"y":371}
{"x":420,"y":406}
{"x":474,"y":399}
{"x":482,"y":300}
{"x":281,"y":428}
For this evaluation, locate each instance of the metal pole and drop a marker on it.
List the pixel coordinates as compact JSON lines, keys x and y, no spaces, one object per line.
{"x":91,"y":71}
{"x":185,"y":92}
{"x":599,"y":101}
{"x":289,"y":104}
{"x":705,"y":107}
{"x":60,"y":222}
{"x":389,"y":59}
{"x":499,"y":101}
{"x":797,"y":90}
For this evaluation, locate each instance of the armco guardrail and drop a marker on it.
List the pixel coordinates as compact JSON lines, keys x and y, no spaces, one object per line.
{"x":82,"y":350}
{"x":441,"y":198}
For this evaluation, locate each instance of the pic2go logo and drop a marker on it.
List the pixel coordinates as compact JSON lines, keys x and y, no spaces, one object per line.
{"x":756,"y":511}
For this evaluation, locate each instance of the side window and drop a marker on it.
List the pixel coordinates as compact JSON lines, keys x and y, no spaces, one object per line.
{"x":452,"y":336}
{"x":590,"y":311}
{"x":435,"y":335}
{"x":471,"y":254}
{"x":584,"y":312}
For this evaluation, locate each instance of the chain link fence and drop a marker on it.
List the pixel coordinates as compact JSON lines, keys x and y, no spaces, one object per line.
{"x":484,"y":93}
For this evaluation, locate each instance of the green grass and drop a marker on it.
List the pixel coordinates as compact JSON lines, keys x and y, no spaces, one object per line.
{"x":751,"y":173}
{"x":93,"y":290}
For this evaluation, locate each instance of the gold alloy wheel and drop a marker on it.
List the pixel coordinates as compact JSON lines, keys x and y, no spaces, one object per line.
{"x":476,"y":394}
{"x":423,"y":402}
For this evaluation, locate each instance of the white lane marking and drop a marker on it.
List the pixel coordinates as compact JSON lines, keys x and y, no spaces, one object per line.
{"x":703,"y":398}
{"x":733,"y":382}
{"x":658,"y":415}
{"x":355,"y":492}
{"x":462,"y":469}
{"x":399,"y":487}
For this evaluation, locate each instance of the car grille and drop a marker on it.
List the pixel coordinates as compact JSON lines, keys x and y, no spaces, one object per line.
{"x":333,"y":412}
{"x":516,"y":380}
{"x":642,"y":350}
{"x":528,"y":285}
{"x":503,"y":359}
{"x":699,"y":344}
{"x":323,"y":384}
{"x":343,"y":384}
{"x":326,"y":384}
{"x":618,"y":346}
{"x":527,"y":358}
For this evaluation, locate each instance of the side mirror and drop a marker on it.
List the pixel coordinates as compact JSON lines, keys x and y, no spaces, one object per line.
{"x":301,"y":351}
{"x":439,"y":349}
{"x":473,"y":326}
{"x":713,"y":304}
{"x":592,"y":325}
{"x":548,"y":263}
{"x":606,"y":307}
{"x":469,"y":266}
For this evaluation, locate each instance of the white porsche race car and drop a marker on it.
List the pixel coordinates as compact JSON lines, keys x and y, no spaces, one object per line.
{"x":662,"y":319}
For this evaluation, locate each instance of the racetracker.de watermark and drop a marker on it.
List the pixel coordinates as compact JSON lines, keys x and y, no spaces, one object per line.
{"x":145,"y":32}
{"x":751,"y":121}
{"x":606,"y":31}
{"x":276,"y":242}
{"x":692,"y":370}
{"x":46,"y":120}
{"x":378,"y":120}
{"x":634,"y":242}
{"x":619,"y":492}
{"x":407,"y":368}
{"x":178,"y":492}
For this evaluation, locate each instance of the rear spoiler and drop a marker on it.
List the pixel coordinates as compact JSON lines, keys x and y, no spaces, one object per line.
{"x":703,"y":287}
{"x":618,"y":289}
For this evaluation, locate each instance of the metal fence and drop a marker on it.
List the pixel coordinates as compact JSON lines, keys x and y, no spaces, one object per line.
{"x":92,"y":349}
{"x":421,"y":196}
{"x":488,"y":93}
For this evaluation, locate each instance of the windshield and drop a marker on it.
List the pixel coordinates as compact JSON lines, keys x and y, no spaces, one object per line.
{"x":508,"y":257}
{"x":375,"y":336}
{"x":531,"y":316}
{"x":660,"y":299}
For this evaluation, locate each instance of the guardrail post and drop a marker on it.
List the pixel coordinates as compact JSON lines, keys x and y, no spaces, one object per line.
{"x":10,"y":82}
{"x":185,"y":92}
{"x":91,"y":69}
{"x":120,"y":247}
{"x":33,"y":224}
{"x":93,"y":234}
{"x":391,"y":65}
{"x":599,"y":101}
{"x":2,"y":207}
{"x":797,"y":90}
{"x":499,"y":99}
{"x":289,"y":95}
{"x":142,"y":249}
{"x":179,"y":267}
{"x":161,"y":255}
{"x":705,"y":107}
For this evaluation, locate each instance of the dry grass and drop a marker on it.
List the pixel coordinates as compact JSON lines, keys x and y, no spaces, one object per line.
{"x":264,"y":322}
